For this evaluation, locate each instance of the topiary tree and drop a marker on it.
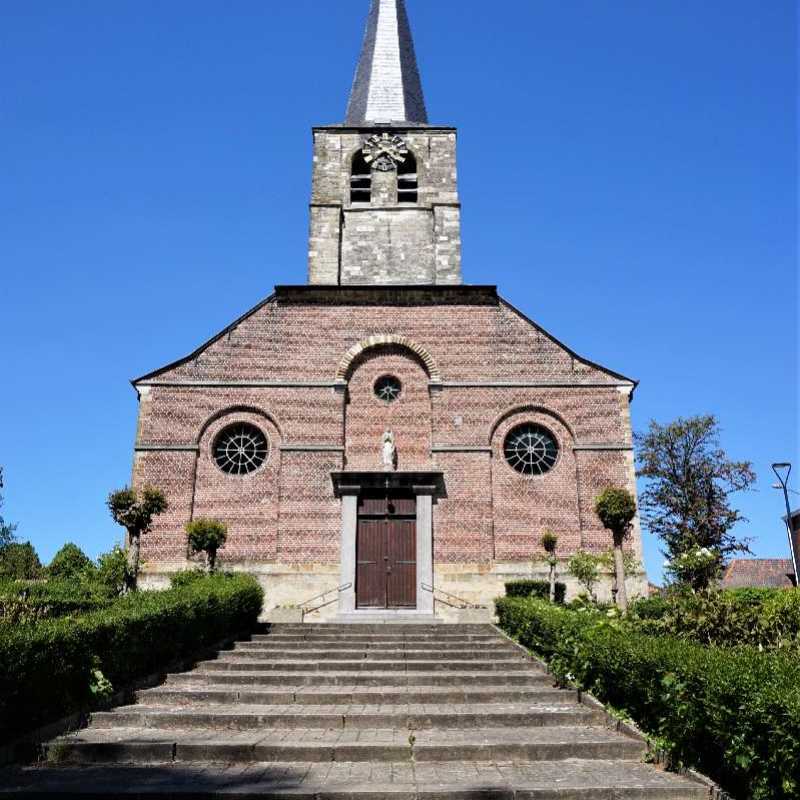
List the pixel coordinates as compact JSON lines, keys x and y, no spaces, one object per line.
{"x":135,"y":511}
{"x":550,"y":543}
{"x":19,"y":560}
{"x":70,"y":562}
{"x":207,"y":536}
{"x":616,"y":509}
{"x":586,"y":568}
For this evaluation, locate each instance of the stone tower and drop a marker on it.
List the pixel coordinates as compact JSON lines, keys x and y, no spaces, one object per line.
{"x":384,"y":202}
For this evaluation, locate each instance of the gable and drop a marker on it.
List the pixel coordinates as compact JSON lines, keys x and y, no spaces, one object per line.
{"x":300,"y":334}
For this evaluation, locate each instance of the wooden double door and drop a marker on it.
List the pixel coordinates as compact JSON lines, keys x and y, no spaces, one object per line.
{"x":386,"y":551}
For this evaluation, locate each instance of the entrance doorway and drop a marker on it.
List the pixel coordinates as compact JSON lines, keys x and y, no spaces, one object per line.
{"x":386,"y":550}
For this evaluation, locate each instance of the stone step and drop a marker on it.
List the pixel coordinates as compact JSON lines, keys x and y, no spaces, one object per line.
{"x":311,"y":677}
{"x":406,"y":628}
{"x":398,"y":636}
{"x":368,"y":645}
{"x":409,"y":716}
{"x":157,"y":745}
{"x":453,"y":780}
{"x":332,"y":695}
{"x":228,"y":662}
{"x":369,"y":642}
{"x":314,"y":654}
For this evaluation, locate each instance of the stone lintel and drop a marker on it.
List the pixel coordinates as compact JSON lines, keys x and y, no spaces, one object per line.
{"x":430,"y":483}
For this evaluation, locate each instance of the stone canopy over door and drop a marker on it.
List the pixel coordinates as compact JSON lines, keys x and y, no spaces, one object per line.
{"x":387,"y":540}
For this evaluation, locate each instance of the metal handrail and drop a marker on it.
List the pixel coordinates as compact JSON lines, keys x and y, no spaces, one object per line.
{"x":464,"y":603}
{"x":304,"y":606}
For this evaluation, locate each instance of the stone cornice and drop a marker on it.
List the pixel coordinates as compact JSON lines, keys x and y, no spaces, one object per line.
{"x":562,"y":384}
{"x":190,"y":384}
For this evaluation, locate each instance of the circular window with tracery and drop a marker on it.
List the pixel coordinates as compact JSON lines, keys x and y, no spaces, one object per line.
{"x":531,"y":449}
{"x":240,"y":449}
{"x":388,"y":388}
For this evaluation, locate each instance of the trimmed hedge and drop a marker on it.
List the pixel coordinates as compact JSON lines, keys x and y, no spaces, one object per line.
{"x":47,"y":669}
{"x":530,"y":588}
{"x":733,"y":713}
{"x":30,"y":601}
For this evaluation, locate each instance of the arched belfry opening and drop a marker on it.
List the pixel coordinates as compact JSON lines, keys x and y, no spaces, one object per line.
{"x":407,"y":180}
{"x":360,"y":179}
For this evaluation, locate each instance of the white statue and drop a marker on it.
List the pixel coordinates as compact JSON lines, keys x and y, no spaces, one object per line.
{"x":389,"y":454}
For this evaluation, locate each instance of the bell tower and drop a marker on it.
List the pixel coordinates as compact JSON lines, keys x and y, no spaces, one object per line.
{"x":384,"y":199}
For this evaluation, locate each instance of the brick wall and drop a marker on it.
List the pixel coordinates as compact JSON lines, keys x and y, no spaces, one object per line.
{"x":278,"y":369}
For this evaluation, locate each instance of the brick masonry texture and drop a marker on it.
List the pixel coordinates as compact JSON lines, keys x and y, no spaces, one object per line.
{"x":304,"y":373}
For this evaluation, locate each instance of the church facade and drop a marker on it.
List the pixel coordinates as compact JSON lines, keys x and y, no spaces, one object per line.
{"x":386,"y":435}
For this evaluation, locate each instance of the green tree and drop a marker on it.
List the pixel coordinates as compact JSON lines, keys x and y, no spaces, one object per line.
{"x":135,"y":510}
{"x":70,"y":562}
{"x":689,"y":480}
{"x":112,"y":574}
{"x":207,"y":536}
{"x":586,"y":568}
{"x":19,"y":560}
{"x":6,"y":530}
{"x":549,"y":544}
{"x":616,"y":509}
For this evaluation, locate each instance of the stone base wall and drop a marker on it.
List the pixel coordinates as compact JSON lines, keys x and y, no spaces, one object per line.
{"x":289,"y":585}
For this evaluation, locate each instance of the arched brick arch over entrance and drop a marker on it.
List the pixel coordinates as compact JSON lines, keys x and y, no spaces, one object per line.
{"x":382,"y":339}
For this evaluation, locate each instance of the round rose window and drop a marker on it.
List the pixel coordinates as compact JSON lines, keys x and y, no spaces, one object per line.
{"x":240,"y":449}
{"x":531,"y":449}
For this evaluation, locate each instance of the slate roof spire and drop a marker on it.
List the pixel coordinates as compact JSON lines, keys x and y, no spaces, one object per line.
{"x":387,"y":86}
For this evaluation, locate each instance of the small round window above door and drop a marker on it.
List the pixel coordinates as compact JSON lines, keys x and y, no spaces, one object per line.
{"x":388,"y":388}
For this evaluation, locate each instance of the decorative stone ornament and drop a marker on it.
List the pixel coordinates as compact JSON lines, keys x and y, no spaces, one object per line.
{"x":384,"y":151}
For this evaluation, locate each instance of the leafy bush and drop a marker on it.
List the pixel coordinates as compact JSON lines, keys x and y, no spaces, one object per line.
{"x":531,"y":588}
{"x":651,"y":608}
{"x":19,"y":560}
{"x":585,"y":567}
{"x":69,"y":562}
{"x":112,"y":574}
{"x":733,"y":713}
{"x":49,"y":669}
{"x":767,"y":618}
{"x":186,"y":578}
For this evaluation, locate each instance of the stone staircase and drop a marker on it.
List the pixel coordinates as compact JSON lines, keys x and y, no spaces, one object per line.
{"x":358,"y":712}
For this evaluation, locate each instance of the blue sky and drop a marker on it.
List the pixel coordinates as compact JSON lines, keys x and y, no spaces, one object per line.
{"x":627,"y":169}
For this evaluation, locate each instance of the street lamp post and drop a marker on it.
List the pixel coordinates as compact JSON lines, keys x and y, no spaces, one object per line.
{"x":783,"y":470}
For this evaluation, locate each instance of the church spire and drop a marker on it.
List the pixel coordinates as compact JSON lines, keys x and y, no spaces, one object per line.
{"x":387,"y":86}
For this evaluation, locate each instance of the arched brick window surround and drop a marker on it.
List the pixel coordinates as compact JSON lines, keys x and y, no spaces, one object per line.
{"x":381,"y":340}
{"x":520,"y":411}
{"x":232,"y":411}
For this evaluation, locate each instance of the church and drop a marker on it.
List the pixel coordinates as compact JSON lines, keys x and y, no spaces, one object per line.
{"x":385,"y":441}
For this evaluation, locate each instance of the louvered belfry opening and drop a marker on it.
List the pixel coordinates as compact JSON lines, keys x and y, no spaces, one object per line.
{"x":407,"y":180}
{"x":360,"y":180}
